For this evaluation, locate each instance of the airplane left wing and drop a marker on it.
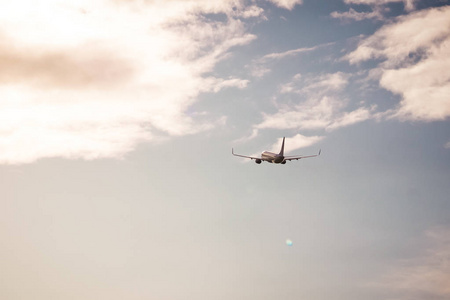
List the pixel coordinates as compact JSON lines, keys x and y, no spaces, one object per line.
{"x":251,"y":157}
{"x":300,"y":156}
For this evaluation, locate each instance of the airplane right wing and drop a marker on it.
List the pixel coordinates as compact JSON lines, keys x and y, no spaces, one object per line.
{"x":300,"y":156}
{"x":251,"y":157}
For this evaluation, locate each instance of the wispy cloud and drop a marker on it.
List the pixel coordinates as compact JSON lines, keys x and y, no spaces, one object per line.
{"x":252,"y":135}
{"x":324,"y":108}
{"x":316,"y":85}
{"x":425,"y":277}
{"x":280,"y":55}
{"x":295,"y":142}
{"x":258,"y":70}
{"x":292,"y":52}
{"x":350,"y":118}
{"x":353,"y":15}
{"x":409,"y":4}
{"x":259,"y":66}
{"x":324,"y":113}
{"x":378,"y":9}
{"x":93,"y":79}
{"x":326,"y":83}
{"x":415,"y":62}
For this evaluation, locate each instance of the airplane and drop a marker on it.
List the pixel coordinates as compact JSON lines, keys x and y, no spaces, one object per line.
{"x":273,"y":157}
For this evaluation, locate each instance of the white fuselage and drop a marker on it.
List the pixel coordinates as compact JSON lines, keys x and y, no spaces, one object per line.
{"x":272,"y":157}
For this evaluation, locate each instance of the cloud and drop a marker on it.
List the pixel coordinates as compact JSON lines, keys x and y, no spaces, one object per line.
{"x":326,"y":83}
{"x":252,"y":135}
{"x":424,"y":277}
{"x":357,"y":16}
{"x":258,"y":68}
{"x":411,"y":34}
{"x":296,"y":142}
{"x":377,"y":6}
{"x":280,"y":55}
{"x":414,"y":62}
{"x":287,"y":4}
{"x":72,"y":68}
{"x":289,"y":53}
{"x":409,"y":4}
{"x":447,"y":145}
{"x":92,"y":79}
{"x":317,"y":85}
{"x":250,"y":12}
{"x":349,"y":118}
{"x":324,"y":108}
{"x":324,"y":113}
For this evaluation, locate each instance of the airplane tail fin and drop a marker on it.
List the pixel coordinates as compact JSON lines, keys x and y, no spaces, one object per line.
{"x":282,"y":148}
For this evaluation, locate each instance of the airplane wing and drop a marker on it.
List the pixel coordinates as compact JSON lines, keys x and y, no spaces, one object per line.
{"x":300,"y":156}
{"x":251,"y":157}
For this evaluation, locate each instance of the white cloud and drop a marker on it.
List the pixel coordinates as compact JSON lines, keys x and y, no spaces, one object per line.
{"x":324,"y":109}
{"x":357,"y":16}
{"x":247,"y":138}
{"x":415,"y":64}
{"x":324,"y":113}
{"x":349,"y":118}
{"x":259,"y":69}
{"x":287,"y":4}
{"x":250,"y":12}
{"x":326,"y":83}
{"x":447,"y":145}
{"x":280,"y":55}
{"x":296,"y":142}
{"x":378,"y":8}
{"x":317,"y":85}
{"x":410,"y":34}
{"x":92,"y":79}
{"x":409,"y":4}
{"x":298,"y":118}
{"x":293,"y":86}
{"x":425,"y":277}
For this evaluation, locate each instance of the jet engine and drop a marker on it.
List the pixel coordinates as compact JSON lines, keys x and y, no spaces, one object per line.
{"x":258,"y":161}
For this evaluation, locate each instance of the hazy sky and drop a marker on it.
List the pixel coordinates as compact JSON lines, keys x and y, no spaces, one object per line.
{"x":117,"y":119}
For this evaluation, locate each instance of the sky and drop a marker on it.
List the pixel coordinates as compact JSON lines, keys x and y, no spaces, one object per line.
{"x":117,"y":119}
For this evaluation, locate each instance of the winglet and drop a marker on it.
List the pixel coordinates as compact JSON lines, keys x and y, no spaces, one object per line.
{"x":320,"y":150}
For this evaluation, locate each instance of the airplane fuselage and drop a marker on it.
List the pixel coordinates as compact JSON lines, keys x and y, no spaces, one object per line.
{"x":272,"y":157}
